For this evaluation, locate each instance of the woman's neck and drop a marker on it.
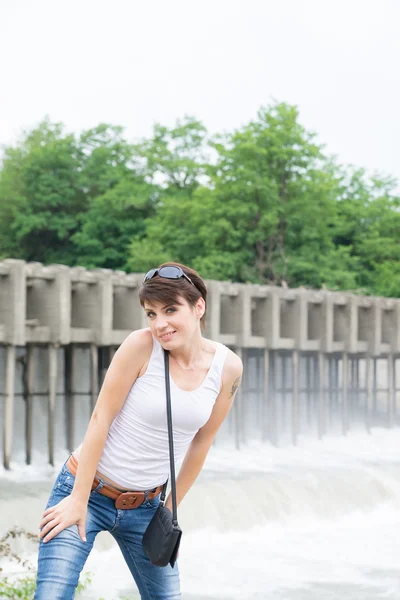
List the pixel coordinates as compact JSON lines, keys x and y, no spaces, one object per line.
{"x":191,"y":355}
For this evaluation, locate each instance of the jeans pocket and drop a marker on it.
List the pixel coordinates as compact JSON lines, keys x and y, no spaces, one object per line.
{"x":154,"y":503}
{"x":66,"y":480}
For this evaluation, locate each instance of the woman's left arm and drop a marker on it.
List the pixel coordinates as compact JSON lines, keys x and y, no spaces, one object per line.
{"x":201,"y":443}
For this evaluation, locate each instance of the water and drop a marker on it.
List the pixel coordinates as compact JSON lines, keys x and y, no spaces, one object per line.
{"x":319,"y":521}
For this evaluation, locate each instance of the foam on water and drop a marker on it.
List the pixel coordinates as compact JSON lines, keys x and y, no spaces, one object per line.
{"x":320,"y":521}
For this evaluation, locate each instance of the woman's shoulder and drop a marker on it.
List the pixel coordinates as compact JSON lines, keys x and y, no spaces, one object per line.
{"x":140,"y":340}
{"x":231,"y":371}
{"x":136,"y":350}
{"x":233,"y":365}
{"x":141,"y":337}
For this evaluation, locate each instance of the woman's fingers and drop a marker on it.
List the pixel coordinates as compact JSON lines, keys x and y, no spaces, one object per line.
{"x":62,"y":515}
{"x":45,"y":519}
{"x":82,"y":530}
{"x":54,"y":532}
{"x":48,"y":511}
{"x":50,"y":525}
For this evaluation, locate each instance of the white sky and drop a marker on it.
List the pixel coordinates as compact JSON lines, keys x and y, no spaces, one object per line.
{"x":132,"y":63}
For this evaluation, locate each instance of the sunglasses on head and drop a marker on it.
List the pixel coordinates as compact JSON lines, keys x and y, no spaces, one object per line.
{"x":171,"y":272}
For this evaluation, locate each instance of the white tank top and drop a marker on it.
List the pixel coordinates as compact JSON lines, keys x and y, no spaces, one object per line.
{"x":136,"y":452}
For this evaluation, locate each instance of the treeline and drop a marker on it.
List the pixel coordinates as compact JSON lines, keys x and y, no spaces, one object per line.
{"x":262,"y":204}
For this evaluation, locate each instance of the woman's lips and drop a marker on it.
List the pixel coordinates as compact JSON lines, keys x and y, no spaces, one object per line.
{"x":167,"y":336}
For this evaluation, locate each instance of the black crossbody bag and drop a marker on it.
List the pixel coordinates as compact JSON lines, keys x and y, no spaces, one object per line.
{"x":163,"y":535}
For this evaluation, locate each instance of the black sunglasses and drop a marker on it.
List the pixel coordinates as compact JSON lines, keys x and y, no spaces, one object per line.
{"x":171,"y":272}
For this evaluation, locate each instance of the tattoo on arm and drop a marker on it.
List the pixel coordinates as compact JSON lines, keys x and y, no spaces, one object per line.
{"x":235,"y":386}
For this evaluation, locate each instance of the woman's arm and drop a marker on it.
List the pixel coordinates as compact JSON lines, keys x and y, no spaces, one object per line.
{"x":201,"y":443}
{"x":122,"y":372}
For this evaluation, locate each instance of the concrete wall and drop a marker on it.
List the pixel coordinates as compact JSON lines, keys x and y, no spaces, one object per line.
{"x":312,"y":353}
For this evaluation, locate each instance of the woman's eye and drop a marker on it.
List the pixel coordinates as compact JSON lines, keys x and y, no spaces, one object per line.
{"x":171,"y":310}
{"x":150,"y":315}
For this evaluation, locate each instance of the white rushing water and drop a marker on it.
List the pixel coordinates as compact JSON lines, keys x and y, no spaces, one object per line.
{"x":320,"y":521}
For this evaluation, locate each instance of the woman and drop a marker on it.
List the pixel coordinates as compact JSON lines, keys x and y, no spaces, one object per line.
{"x":125,"y":448}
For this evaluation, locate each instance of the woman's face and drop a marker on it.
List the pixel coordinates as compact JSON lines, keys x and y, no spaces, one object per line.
{"x":174,"y":324}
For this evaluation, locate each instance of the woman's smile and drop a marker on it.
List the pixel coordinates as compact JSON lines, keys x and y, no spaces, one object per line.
{"x":167,"y":336}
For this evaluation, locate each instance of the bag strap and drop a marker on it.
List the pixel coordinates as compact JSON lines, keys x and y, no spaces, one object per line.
{"x":171,"y":444}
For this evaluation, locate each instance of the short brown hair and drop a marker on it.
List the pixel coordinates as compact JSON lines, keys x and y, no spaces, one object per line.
{"x":167,"y":291}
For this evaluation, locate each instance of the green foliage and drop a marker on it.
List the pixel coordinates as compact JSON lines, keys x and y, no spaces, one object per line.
{"x":23,"y":588}
{"x":112,"y":221}
{"x":175,"y":157}
{"x":261,"y":204}
{"x":40,"y":197}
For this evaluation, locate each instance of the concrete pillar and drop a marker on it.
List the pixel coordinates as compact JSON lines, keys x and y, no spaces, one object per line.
{"x":391,"y":391}
{"x":357,"y":385}
{"x":94,"y":374}
{"x":310,"y":391}
{"x":92,"y":305}
{"x":375,"y":386}
{"x":295,"y":396}
{"x":395,"y":408}
{"x":329,"y":391}
{"x":351,"y":389}
{"x":337,"y":372}
{"x":28,"y":393}
{"x":9,"y":406}
{"x":213,"y":321}
{"x":266,"y":394}
{"x":237,"y":404}
{"x":13,"y":301}
{"x":316,"y":382}
{"x":370,"y":393}
{"x":345,"y":387}
{"x":69,"y":394}
{"x":49,"y":300}
{"x":242,"y":315}
{"x":52,"y":400}
{"x":283,"y":398}
{"x":273,"y":433}
{"x":321,"y":395}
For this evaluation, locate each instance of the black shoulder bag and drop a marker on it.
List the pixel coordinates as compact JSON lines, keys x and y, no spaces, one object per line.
{"x":163,"y":535}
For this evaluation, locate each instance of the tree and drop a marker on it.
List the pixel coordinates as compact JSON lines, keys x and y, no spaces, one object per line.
{"x":261,"y":204}
{"x":119,"y":198}
{"x":368,"y":225}
{"x":266,"y":215}
{"x":41,"y":198}
{"x":112,"y":221}
{"x":174,"y":158}
{"x":72,"y":200}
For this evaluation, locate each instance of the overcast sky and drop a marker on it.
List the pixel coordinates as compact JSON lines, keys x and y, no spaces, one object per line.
{"x":132,"y":63}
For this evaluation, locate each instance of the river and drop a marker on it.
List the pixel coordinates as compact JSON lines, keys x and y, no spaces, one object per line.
{"x":319,"y":521}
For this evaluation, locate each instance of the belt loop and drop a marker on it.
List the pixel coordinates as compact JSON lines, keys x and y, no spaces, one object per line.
{"x":146,"y":495}
{"x":101,"y":484}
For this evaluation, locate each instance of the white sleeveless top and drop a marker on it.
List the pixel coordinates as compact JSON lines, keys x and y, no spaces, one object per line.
{"x":136,"y":452}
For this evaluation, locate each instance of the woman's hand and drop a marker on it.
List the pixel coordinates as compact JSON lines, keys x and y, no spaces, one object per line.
{"x":70,"y":511}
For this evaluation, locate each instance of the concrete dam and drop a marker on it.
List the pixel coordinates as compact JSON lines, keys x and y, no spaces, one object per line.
{"x":315,"y":362}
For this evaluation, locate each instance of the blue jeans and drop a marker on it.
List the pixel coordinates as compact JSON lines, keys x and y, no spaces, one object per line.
{"x":62,"y":559}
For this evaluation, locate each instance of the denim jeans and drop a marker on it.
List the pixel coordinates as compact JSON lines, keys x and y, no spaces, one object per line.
{"x":62,"y":559}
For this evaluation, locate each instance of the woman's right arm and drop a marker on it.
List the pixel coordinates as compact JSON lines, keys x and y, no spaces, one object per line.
{"x":125,"y":367}
{"x":121,"y":374}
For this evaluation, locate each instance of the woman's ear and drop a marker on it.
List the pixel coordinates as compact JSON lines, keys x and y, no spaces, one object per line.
{"x":200,"y":308}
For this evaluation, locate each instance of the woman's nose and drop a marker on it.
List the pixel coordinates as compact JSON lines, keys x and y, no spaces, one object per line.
{"x":161,"y":322}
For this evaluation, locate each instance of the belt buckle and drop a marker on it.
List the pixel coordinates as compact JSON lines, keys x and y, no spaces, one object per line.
{"x":128,"y":500}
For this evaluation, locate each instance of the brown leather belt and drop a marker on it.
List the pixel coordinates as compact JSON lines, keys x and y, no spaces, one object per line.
{"x":123,"y":500}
